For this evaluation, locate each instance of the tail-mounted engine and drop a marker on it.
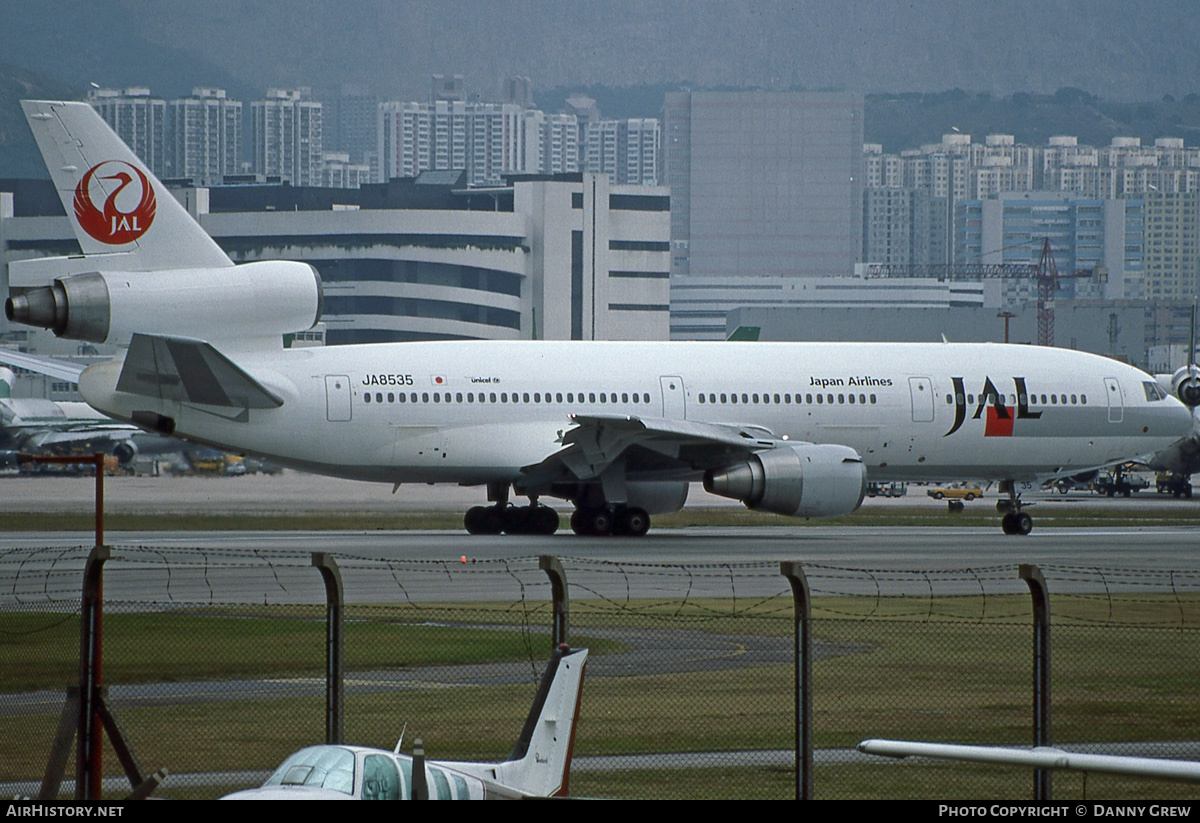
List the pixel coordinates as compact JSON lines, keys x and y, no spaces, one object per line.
{"x":801,"y":480}
{"x":264,"y":299}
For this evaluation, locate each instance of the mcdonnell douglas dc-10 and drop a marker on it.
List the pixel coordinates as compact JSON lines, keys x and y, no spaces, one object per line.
{"x":618,"y":428}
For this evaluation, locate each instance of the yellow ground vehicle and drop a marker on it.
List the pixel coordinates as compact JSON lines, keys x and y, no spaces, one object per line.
{"x":955,"y":492}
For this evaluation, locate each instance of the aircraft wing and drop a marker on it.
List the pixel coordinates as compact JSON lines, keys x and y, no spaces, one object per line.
{"x":58,"y":369}
{"x":646,"y":445}
{"x":1041,"y":757}
{"x":191,"y":371}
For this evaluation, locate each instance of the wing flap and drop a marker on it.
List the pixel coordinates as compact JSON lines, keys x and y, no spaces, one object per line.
{"x":599,"y":441}
{"x":190,"y":371}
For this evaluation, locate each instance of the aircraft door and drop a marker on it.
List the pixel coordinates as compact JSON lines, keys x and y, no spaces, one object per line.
{"x":674,"y":402}
{"x":921,"y":391}
{"x":1116,"y":404}
{"x":337,"y":398}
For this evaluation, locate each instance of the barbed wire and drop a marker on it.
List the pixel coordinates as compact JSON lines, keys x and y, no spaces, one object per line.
{"x":157,"y":577}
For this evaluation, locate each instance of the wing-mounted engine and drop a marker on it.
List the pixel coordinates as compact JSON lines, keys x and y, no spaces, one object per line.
{"x":265,"y":299}
{"x":1185,"y":385}
{"x":800,"y":480}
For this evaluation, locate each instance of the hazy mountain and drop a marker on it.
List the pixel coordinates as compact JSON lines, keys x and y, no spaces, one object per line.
{"x":1118,"y":49}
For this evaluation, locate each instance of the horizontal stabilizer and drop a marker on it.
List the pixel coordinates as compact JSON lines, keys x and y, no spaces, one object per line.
{"x":190,"y":371}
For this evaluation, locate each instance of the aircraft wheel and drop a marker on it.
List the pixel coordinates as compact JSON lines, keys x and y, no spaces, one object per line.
{"x":516,"y":520}
{"x":1023,"y":523}
{"x":1008,"y":524}
{"x":474,"y":519}
{"x":579,"y":521}
{"x":1187,"y":491}
{"x":634,"y":522}
{"x":545,"y":520}
{"x":600,"y":522}
{"x":483,"y":520}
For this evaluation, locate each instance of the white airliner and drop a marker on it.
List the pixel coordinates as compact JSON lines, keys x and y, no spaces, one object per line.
{"x":540,"y":764}
{"x":618,"y":428}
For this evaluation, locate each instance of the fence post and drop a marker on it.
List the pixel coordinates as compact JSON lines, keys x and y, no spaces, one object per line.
{"x":88,"y":745}
{"x":1032,"y":575}
{"x":562,"y":604}
{"x":802,"y":655}
{"x":334,"y":679}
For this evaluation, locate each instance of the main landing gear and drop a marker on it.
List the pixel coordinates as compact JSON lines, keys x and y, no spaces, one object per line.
{"x":510,"y":519}
{"x":1014,"y":521}
{"x":602,"y":521}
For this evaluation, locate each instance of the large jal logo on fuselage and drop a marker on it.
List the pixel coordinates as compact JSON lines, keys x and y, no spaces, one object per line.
{"x":129,"y":203}
{"x":999,"y":415}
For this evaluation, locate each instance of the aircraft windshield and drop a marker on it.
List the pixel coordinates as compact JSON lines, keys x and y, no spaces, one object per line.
{"x":1154,"y":391}
{"x":326,"y":767}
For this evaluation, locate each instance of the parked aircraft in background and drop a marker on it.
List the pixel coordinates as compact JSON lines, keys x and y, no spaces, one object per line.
{"x":618,"y":428}
{"x":1181,"y":459}
{"x":540,"y":764}
{"x":38,"y":426}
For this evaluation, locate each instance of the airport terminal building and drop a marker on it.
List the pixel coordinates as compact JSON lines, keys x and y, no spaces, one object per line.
{"x":562,"y":257}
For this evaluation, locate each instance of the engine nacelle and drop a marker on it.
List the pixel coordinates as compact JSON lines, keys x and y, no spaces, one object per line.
{"x":802,"y":480}
{"x":125,"y":451}
{"x":1185,"y":384}
{"x":264,"y":299}
{"x":657,"y":498}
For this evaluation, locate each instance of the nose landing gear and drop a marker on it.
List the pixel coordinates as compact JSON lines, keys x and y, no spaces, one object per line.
{"x":1015,"y":520}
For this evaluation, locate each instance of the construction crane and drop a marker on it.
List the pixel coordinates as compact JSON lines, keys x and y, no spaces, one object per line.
{"x":1045,"y":273}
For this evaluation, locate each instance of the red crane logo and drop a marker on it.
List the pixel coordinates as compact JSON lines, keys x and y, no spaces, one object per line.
{"x":111,"y":225}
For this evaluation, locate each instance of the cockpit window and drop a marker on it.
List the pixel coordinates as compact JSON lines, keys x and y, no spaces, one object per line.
{"x":1154,"y":391}
{"x":326,"y":767}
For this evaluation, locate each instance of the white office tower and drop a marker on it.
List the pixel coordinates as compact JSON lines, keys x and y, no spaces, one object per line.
{"x":207,"y":129}
{"x":287,"y":136}
{"x":139,"y":120}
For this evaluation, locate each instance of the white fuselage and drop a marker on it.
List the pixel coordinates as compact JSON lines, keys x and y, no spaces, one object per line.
{"x":472,"y":412}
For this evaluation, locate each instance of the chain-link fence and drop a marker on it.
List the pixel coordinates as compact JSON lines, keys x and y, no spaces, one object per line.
{"x":214,"y":664}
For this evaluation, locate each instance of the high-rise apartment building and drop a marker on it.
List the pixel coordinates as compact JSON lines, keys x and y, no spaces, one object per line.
{"x":139,"y":120}
{"x":206,"y":135}
{"x":1084,"y":233}
{"x":350,"y":119}
{"x":287,"y":136}
{"x":1172,"y":246}
{"x":560,"y":144}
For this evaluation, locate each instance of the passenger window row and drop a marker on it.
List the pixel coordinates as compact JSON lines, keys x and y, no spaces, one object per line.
{"x":635,"y":398}
{"x":747,"y":399}
{"x":1011,"y":399}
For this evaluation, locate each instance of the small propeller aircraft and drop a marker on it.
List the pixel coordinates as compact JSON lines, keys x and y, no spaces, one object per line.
{"x":539,"y":766}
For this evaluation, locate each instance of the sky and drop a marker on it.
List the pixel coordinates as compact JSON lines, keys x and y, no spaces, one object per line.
{"x":1117,"y":49}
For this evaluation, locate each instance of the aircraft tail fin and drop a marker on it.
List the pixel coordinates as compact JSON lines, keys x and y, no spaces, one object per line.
{"x":540,"y":764}
{"x":117,"y":207}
